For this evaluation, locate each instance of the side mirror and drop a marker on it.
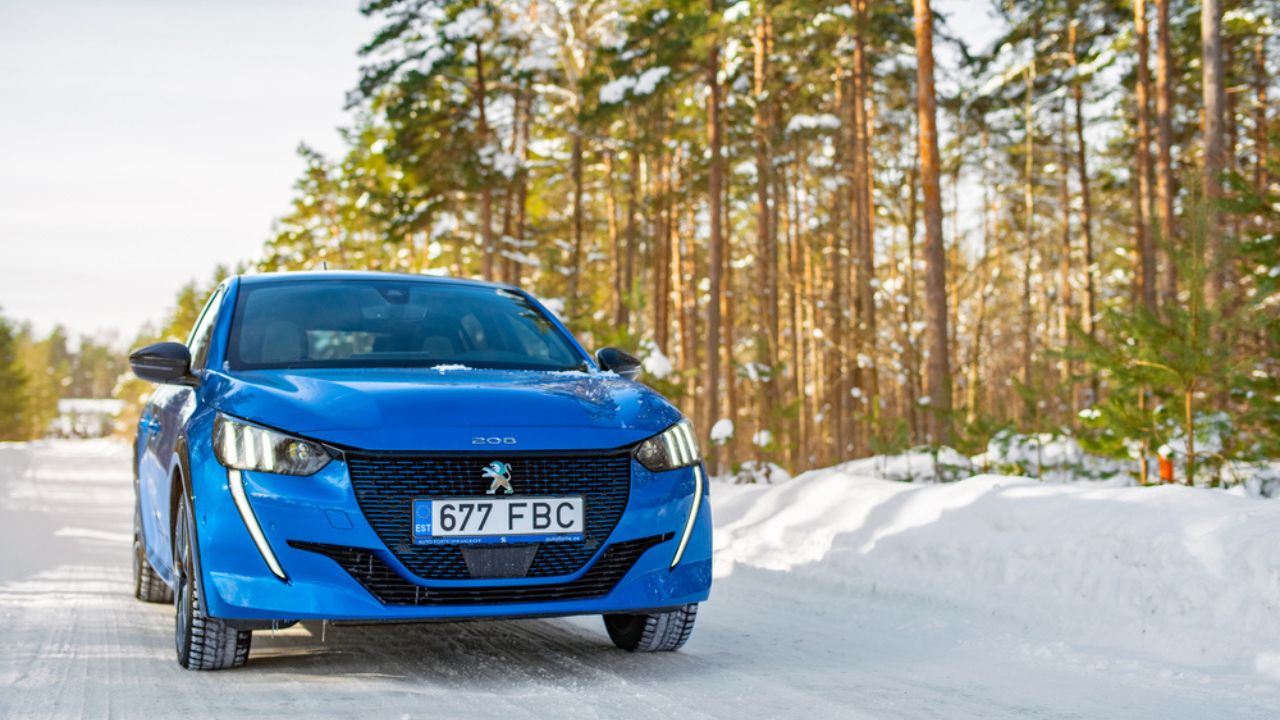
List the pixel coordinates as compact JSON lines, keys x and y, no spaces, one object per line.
{"x":622,"y":363}
{"x":166,"y":362}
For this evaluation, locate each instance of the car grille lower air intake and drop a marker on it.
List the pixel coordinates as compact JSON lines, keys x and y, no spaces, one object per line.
{"x":385,"y":584}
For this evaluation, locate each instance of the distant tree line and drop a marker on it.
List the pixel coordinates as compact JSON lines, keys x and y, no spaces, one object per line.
{"x":36,"y":372}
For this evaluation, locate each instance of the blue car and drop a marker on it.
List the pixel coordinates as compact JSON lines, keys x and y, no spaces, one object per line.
{"x":384,"y":447}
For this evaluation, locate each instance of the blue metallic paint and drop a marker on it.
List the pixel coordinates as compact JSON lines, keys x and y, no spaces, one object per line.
{"x":395,"y":410}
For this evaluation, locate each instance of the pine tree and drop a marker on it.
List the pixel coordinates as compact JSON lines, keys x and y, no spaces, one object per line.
{"x":13,"y":386}
{"x":1170,"y":371}
{"x":934,"y":252}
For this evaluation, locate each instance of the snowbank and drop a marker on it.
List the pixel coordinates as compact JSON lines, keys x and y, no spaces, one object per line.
{"x":1256,"y":479}
{"x":919,"y":465}
{"x":752,"y":471}
{"x":1052,"y":458}
{"x":1179,"y":575}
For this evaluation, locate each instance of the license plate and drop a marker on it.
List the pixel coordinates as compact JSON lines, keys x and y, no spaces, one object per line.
{"x":466,"y":521}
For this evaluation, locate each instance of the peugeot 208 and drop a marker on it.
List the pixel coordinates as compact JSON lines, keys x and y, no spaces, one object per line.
{"x":382,"y":447}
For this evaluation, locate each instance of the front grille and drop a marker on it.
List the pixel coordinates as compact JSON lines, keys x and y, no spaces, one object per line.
{"x":385,"y":584}
{"x":386,"y":485}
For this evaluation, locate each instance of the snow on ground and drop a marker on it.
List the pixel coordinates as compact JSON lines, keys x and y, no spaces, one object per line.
{"x":837,"y":596}
{"x":1188,"y":577}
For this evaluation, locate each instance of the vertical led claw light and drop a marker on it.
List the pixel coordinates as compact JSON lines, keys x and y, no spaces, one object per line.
{"x":236,"y":481}
{"x":693,"y":515}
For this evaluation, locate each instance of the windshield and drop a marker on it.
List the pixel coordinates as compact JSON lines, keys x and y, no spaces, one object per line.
{"x":391,"y":323}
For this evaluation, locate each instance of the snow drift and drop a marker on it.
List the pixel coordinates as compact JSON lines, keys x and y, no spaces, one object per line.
{"x":1183,"y":576}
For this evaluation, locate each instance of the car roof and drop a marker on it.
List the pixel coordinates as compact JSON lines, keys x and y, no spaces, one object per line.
{"x":293,"y":276}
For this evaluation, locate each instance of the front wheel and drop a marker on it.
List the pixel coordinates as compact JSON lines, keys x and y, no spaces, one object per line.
{"x":652,"y":632}
{"x":203,"y":642}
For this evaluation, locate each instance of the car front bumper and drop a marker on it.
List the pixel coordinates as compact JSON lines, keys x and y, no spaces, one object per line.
{"x":298,"y":514}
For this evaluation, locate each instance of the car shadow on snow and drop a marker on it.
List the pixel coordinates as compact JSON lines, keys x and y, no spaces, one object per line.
{"x":460,"y":654}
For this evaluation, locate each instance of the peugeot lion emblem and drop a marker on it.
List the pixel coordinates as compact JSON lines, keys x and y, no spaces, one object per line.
{"x":500,"y":473}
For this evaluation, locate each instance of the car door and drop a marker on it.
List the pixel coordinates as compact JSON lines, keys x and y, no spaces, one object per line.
{"x":163,"y":422}
{"x":151,"y":476}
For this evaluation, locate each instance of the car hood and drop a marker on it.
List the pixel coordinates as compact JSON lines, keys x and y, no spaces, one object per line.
{"x":446,"y":409}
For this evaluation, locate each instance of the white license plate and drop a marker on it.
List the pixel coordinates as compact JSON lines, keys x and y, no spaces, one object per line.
{"x":463,"y":521}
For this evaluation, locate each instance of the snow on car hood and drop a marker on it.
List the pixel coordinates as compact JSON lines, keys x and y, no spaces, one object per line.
{"x":446,"y":408}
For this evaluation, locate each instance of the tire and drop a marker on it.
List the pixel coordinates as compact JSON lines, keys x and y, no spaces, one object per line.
{"x":653,"y":632}
{"x":202,"y":642}
{"x":147,"y":585}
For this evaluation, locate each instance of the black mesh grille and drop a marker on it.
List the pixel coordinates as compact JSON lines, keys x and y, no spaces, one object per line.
{"x":390,"y":588}
{"x":386,"y":485}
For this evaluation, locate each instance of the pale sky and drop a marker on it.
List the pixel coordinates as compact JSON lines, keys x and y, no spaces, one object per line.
{"x":143,"y":142}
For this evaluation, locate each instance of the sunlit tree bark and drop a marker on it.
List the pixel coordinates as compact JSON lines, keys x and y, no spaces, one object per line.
{"x":934,"y":252}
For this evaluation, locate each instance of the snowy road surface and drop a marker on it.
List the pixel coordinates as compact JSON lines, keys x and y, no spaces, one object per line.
{"x":823,"y":608}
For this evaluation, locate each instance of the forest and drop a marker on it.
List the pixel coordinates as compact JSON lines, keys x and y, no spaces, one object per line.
{"x":821,"y":247}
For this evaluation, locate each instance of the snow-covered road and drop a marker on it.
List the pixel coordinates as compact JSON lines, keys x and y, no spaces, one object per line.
{"x":770,"y":643}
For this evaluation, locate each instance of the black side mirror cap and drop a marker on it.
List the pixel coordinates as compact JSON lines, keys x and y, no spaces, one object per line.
{"x":620,"y":362}
{"x":167,"y":362}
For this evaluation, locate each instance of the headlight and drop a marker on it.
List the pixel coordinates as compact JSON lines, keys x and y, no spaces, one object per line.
{"x":674,"y":448}
{"x":241,"y":446}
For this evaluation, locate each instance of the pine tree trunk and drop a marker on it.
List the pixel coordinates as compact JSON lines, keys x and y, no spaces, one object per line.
{"x":787,"y":235}
{"x":1229,"y":224}
{"x":616,"y":250}
{"x":813,"y":393}
{"x":844,"y":226}
{"x":1189,"y":428}
{"x":508,"y":202}
{"x":671,"y":269}
{"x":658,"y":252}
{"x":686,"y":282}
{"x":866,"y":332}
{"x":1065,"y":315}
{"x":1146,"y":271}
{"x":486,"y":193}
{"x":634,"y":180}
{"x":505,"y":260}
{"x":773,"y":394}
{"x":764,"y":232}
{"x":728,"y":309}
{"x":797,"y":299}
{"x":1089,"y":310}
{"x":522,"y":204}
{"x":715,"y":241}
{"x":1164,"y":160}
{"x":522,"y":190}
{"x":850,"y":278}
{"x":974,"y":384}
{"x":825,"y":357}
{"x":1029,"y":222}
{"x":934,"y":251}
{"x":575,"y":271}
{"x":908,"y":308}
{"x":1260,"y":141}
{"x":1211,"y":65}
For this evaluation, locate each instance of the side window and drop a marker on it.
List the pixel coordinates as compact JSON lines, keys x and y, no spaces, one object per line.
{"x":198,"y":343}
